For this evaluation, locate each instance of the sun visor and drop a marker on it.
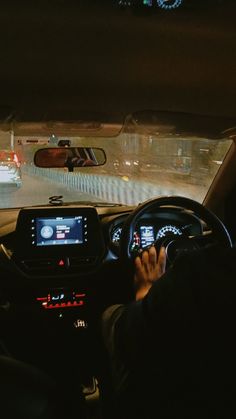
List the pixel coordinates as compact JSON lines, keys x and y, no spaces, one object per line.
{"x":160,"y":123}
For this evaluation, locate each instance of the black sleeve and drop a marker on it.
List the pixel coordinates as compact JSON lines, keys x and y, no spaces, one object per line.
{"x":175,"y":304}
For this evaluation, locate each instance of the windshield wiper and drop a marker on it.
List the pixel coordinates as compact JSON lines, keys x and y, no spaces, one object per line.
{"x":96,"y":204}
{"x":90,"y":203}
{"x":58,"y":200}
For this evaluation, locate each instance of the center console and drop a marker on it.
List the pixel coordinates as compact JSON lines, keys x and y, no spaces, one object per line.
{"x":54,"y":241}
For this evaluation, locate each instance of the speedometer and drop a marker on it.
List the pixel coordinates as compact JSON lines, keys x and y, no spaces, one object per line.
{"x":169,"y":4}
{"x":168,"y":230}
{"x":115,"y":238}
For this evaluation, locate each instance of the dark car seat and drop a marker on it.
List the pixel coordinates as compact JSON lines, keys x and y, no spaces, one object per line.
{"x":28,"y":393}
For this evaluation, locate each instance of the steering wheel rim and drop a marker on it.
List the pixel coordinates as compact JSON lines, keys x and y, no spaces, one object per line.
{"x":218,"y":229}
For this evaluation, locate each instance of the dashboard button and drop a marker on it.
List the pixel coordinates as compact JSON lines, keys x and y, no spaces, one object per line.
{"x":62,"y":263}
{"x":38,"y":263}
{"x":81,"y":261}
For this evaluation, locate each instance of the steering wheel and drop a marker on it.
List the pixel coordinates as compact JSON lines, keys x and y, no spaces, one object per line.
{"x":175,"y":244}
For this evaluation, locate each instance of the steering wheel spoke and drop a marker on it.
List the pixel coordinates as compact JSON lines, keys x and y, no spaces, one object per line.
{"x":205,"y":239}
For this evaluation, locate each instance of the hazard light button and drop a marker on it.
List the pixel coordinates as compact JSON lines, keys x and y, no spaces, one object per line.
{"x":61,"y":263}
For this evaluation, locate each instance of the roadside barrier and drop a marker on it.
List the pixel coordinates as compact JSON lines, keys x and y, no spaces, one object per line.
{"x":113,"y":189}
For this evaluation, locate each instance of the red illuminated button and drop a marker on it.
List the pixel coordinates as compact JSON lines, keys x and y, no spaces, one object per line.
{"x":61,"y":262}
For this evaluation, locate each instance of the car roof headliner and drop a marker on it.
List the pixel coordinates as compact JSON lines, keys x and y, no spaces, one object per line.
{"x":63,"y":59}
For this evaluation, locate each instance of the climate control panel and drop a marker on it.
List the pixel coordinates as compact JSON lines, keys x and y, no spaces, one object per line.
{"x":61,"y":299}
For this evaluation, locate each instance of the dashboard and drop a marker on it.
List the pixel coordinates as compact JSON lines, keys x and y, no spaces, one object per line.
{"x":78,"y":240}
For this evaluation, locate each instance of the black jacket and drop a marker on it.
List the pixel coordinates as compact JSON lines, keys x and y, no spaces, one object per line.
{"x":173,"y":353}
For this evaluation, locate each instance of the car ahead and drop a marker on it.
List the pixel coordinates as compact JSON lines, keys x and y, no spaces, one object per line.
{"x":9,"y":156}
{"x":10,"y":171}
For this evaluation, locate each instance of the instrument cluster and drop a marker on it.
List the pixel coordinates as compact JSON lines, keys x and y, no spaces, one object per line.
{"x":157,"y":226}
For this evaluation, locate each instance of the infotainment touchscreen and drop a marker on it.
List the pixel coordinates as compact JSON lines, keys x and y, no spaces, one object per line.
{"x":52,"y":231}
{"x":71,"y":234}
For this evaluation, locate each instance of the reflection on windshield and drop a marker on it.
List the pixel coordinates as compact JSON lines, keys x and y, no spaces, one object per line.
{"x":138,"y":167}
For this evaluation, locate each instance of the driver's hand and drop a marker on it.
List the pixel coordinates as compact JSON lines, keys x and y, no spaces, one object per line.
{"x":148,"y":268}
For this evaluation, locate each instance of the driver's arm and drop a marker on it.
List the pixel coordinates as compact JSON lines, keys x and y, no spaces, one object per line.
{"x":162,"y":304}
{"x":149,"y":267}
{"x":173,"y":335}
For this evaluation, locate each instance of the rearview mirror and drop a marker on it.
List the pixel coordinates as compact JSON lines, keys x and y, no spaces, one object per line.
{"x":70,"y":157}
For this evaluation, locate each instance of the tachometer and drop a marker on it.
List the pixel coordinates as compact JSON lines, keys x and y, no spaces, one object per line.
{"x":168,"y":230}
{"x":169,"y":4}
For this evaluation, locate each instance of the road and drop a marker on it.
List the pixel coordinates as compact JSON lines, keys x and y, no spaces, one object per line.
{"x":36,"y":191}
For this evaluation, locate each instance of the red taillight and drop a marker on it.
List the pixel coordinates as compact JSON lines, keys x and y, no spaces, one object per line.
{"x":15,"y":159}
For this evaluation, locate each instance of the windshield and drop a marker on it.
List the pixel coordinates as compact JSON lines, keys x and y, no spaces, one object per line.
{"x":140,"y":165}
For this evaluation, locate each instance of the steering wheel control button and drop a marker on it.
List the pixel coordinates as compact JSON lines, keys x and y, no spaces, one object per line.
{"x":177,"y":246}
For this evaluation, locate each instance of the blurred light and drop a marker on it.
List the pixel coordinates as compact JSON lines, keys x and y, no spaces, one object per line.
{"x":217,"y":162}
{"x":125,"y":178}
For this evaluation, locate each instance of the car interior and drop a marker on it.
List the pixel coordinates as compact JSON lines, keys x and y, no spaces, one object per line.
{"x":120,"y":117}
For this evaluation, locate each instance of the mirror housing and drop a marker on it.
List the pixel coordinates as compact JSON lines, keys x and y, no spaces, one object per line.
{"x":69,"y":157}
